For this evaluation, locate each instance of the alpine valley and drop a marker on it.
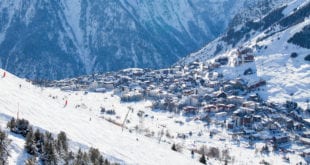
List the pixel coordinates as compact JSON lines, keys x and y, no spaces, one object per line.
{"x":54,"y":39}
{"x":100,"y":82}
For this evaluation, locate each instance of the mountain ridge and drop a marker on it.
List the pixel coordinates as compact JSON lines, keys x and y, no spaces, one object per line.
{"x":59,"y":39}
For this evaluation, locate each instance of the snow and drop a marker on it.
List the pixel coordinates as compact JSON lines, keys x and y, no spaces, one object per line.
{"x":285,"y":75}
{"x":287,"y":78}
{"x":87,"y":127}
{"x":294,"y":5}
{"x":17,"y":153}
{"x":49,"y":114}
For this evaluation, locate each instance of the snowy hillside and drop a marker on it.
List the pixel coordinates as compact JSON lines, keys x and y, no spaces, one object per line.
{"x":285,"y":16}
{"x":44,"y":112}
{"x":94,"y":119}
{"x":242,"y":99}
{"x":287,"y":77}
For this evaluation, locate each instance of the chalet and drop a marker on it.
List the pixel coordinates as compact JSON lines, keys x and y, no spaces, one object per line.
{"x":280,"y":139}
{"x":306,"y":121}
{"x":274,"y":126}
{"x":222,"y":60}
{"x":194,"y":65}
{"x":257,"y":118}
{"x":190,"y":110}
{"x":245,"y":50}
{"x":237,"y":100}
{"x":68,"y":88}
{"x":244,"y":55}
{"x":238,"y":84}
{"x":231,"y":124}
{"x":289,"y":124}
{"x":188,"y":92}
{"x":249,"y":104}
{"x":209,"y":108}
{"x":221,"y":107}
{"x":248,"y":71}
{"x":214,"y":65}
{"x":248,"y":58}
{"x":254,"y":97}
{"x":220,"y":114}
{"x":243,"y":111}
{"x":177,"y":68}
{"x":257,"y":84}
{"x":248,"y":132}
{"x":246,"y":120}
{"x":227,"y":87}
{"x":190,"y":100}
{"x":131,"y":96}
{"x":298,"y":126}
{"x":306,"y":134}
{"x":100,"y":90}
{"x":306,"y":153}
{"x":221,"y":94}
{"x":213,"y":84}
{"x":231,"y":107}
{"x":294,"y":114}
{"x":106,"y":84}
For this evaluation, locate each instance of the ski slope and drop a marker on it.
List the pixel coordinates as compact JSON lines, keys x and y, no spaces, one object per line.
{"x":50,"y":114}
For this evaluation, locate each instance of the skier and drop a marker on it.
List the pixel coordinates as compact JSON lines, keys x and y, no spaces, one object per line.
{"x":66,"y":103}
{"x":4,"y":74}
{"x":193,"y":154}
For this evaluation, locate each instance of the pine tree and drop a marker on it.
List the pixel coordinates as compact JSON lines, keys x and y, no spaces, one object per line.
{"x":4,"y":144}
{"x":38,"y":139}
{"x":94,"y":155}
{"x":38,"y":136}
{"x":101,"y":160}
{"x":49,"y":156}
{"x":30,"y":144}
{"x":62,"y":142}
{"x":203,"y":159}
{"x":12,"y":124}
{"x":85,"y":159}
{"x":79,"y":157}
{"x":106,"y":162}
{"x":69,"y":158}
{"x":82,"y":158}
{"x":174,"y":147}
{"x":22,"y":126}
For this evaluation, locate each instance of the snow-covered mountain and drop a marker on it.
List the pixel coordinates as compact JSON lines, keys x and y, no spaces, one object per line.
{"x":280,"y":19}
{"x":280,"y":45}
{"x":242,"y":99}
{"x":57,"y":39}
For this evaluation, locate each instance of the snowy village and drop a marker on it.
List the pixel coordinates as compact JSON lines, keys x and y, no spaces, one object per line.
{"x":224,"y":109}
{"x":155,"y":82}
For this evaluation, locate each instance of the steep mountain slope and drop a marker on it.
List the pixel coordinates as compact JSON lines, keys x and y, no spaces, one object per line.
{"x":285,"y":16}
{"x":57,"y":39}
{"x":279,"y":43}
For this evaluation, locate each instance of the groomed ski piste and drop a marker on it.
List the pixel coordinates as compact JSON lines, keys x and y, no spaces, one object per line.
{"x":86,"y":127}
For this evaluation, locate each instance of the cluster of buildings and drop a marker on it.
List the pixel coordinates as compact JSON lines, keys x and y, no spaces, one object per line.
{"x":199,"y":90}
